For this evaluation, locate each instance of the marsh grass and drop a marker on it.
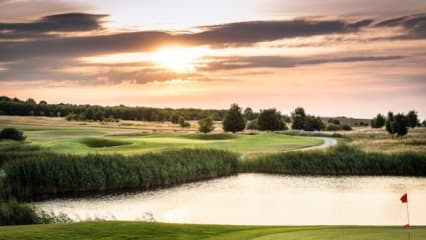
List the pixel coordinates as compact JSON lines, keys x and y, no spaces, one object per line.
{"x":41,"y":175}
{"x":338,"y":160}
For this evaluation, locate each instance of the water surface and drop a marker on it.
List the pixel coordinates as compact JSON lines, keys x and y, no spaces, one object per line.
{"x":258,"y":199}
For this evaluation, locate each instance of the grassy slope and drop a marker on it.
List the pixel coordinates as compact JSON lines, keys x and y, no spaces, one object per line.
{"x":69,"y":137}
{"x":140,"y":230}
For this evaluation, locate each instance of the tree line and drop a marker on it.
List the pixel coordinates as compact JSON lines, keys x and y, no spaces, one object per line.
{"x":397,"y":124}
{"x":29,"y":107}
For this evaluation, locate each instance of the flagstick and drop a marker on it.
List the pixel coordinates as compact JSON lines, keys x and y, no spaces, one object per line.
{"x":408,"y":219}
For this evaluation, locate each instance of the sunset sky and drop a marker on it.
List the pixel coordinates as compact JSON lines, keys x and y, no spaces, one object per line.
{"x":333,"y":57}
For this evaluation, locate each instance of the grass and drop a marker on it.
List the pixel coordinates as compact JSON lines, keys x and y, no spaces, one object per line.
{"x":156,"y":231}
{"x":69,"y":137}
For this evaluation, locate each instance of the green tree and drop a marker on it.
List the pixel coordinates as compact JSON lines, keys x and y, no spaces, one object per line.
{"x":249,"y":114}
{"x":206,"y":125}
{"x":412,"y":119}
{"x":234,"y":120}
{"x":312,"y":123}
{"x":183,"y":123}
{"x":378,"y":122}
{"x":175,"y":118}
{"x":270,"y":120}
{"x":401,"y":125}
{"x":390,"y":124}
{"x":298,"y":118}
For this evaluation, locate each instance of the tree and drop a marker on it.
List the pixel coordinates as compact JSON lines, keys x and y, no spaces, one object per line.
{"x":378,"y":122}
{"x":298,"y":118}
{"x":206,"y":125}
{"x":30,"y":101}
{"x":249,"y":114}
{"x":424,"y":123}
{"x":183,"y":123}
{"x":412,"y":119}
{"x":390,"y":124}
{"x":312,"y":123}
{"x":234,"y":120}
{"x":401,"y":125}
{"x":12,"y":134}
{"x":175,"y":118}
{"x":270,"y":120}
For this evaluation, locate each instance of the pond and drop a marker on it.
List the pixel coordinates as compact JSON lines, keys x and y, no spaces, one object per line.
{"x":259,"y":199}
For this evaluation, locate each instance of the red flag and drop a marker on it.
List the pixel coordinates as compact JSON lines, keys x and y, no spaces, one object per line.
{"x":404,"y":198}
{"x":406,"y":226}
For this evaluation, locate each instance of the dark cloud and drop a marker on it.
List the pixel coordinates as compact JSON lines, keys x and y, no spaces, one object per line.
{"x":229,"y":63}
{"x":84,"y":46}
{"x":258,"y":31}
{"x":415,"y":25}
{"x":227,"y":34}
{"x":70,"y":22}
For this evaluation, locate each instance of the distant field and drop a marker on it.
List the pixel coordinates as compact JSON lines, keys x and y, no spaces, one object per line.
{"x":136,"y":137}
{"x":141,"y":230}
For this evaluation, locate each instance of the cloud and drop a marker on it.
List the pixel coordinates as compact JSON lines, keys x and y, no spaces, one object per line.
{"x":415,"y":26}
{"x":70,"y":22}
{"x":227,"y":34}
{"x":258,"y":31}
{"x":230,"y":63}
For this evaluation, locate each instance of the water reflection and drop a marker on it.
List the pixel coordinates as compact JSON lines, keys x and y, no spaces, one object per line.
{"x":258,"y":199}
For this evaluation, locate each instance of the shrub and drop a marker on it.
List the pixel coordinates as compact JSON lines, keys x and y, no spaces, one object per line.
{"x":347,"y":127}
{"x":333,"y":127}
{"x":12,"y":134}
{"x":14,"y":213}
{"x":206,"y":125}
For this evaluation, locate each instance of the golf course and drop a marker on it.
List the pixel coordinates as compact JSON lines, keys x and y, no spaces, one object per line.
{"x":140,"y":230}
{"x":131,"y":138}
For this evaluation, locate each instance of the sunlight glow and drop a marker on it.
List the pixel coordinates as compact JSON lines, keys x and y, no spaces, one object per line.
{"x":178,"y":59}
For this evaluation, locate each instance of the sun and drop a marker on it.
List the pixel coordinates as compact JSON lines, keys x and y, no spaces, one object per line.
{"x":178,"y":59}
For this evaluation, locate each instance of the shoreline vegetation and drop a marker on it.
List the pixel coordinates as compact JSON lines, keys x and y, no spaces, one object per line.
{"x":31,"y":173}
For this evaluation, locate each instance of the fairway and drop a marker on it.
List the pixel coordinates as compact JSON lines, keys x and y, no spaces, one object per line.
{"x":65,"y":137}
{"x":142,"y":230}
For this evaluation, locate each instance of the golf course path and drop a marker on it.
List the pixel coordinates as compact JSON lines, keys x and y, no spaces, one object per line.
{"x":327,"y":142}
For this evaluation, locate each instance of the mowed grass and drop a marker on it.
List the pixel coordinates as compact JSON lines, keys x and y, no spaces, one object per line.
{"x":64,"y":137}
{"x":70,"y":141}
{"x":156,"y":231}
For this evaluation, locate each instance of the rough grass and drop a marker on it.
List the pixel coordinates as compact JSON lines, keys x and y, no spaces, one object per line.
{"x":156,"y":231}
{"x":102,"y":142}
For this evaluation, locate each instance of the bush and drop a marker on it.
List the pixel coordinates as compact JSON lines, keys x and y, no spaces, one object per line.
{"x":347,"y":127}
{"x":333,"y":127}
{"x":206,"y":125}
{"x":14,"y":213}
{"x":12,"y":134}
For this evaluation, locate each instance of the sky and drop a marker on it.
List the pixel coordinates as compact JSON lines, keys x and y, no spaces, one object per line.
{"x":333,"y":57}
